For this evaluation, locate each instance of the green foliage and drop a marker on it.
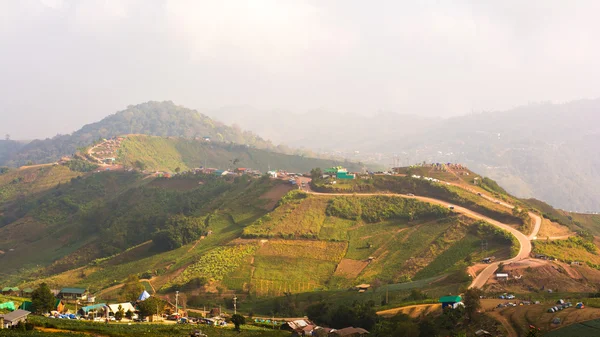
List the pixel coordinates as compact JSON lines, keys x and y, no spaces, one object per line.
{"x":238,"y":320}
{"x":179,"y":230}
{"x":132,"y":289}
{"x":492,"y":186}
{"x":378,"y":208}
{"x":79,"y":165}
{"x":151,"y":306}
{"x":120,"y":313}
{"x":358,"y":315}
{"x":401,"y":325}
{"x":472,"y":302}
{"x":42,"y":299}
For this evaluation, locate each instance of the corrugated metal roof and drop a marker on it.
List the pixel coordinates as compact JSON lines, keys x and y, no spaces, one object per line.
{"x":15,"y":315}
{"x":450,"y":299}
{"x":72,"y":291}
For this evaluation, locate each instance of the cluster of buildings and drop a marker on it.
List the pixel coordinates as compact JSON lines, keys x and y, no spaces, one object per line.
{"x":338,"y":172}
{"x":304,"y":327}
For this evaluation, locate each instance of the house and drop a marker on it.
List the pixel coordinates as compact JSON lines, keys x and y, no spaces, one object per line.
{"x":206,"y":138}
{"x":501,"y":276}
{"x":349,"y":332}
{"x":482,"y":332}
{"x":272,"y":174}
{"x":241,"y":170}
{"x":13,"y":318}
{"x":72,"y":294}
{"x":363,"y":287}
{"x":11,"y":291}
{"x":27,"y":292}
{"x":451,"y":301}
{"x":114,"y":308}
{"x":97,"y":308}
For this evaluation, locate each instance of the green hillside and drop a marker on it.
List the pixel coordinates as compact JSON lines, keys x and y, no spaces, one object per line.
{"x":163,"y":119}
{"x":160,"y":153}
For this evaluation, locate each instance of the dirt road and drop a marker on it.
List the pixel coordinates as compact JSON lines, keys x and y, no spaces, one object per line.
{"x":481,"y":279}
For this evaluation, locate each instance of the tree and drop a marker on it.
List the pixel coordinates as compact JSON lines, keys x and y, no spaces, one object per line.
{"x":151,"y":306}
{"x":129,"y":314}
{"x":140,"y":165}
{"x":132,"y":289}
{"x":316,"y":173}
{"x":177,"y":169}
{"x":120,"y":313}
{"x":42,"y":299}
{"x":238,"y":320}
{"x":472,"y":302}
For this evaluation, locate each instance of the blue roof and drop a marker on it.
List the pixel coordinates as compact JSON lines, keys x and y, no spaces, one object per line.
{"x":93,"y":307}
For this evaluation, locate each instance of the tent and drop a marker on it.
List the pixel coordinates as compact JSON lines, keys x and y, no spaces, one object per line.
{"x":580,"y":305}
{"x":27,"y":305}
{"x":8,"y":305}
{"x":144,"y":296}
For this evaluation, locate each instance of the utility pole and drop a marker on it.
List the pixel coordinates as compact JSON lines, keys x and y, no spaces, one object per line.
{"x":176,"y":302}
{"x":234,"y":304}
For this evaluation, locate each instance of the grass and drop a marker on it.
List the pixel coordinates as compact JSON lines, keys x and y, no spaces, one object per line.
{"x":303,"y":218}
{"x":335,"y":229}
{"x":572,"y":249}
{"x":159,"y":153}
{"x":450,"y":258}
{"x":33,"y":180}
{"x":151,"y":330}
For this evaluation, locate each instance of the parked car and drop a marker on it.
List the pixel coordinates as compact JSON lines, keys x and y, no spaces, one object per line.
{"x":410,"y":195}
{"x":450,"y":207}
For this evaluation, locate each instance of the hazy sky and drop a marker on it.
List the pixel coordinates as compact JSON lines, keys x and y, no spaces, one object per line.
{"x":66,"y":63}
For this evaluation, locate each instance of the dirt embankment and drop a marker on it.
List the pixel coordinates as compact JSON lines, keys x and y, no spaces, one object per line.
{"x":274,"y":195}
{"x":540,"y":275}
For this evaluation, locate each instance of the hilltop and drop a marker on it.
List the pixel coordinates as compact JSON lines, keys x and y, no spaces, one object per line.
{"x":163,"y":119}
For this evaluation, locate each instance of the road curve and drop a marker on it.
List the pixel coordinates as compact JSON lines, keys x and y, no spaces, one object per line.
{"x":480,"y":280}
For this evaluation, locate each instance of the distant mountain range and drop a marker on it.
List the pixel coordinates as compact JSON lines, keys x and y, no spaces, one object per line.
{"x":547,"y":151}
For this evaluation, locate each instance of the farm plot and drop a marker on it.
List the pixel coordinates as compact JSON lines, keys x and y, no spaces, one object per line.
{"x":302,"y":219}
{"x":295,"y":265}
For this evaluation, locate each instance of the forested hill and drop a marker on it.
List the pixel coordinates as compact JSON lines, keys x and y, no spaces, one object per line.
{"x":151,"y":118}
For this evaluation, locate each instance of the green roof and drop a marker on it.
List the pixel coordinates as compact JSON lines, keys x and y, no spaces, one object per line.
{"x":10,"y":289}
{"x":27,"y":305}
{"x":27,"y":290}
{"x":72,"y":291}
{"x":450,"y":299}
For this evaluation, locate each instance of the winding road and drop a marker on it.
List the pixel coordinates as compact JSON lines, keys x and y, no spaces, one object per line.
{"x":481,"y":279}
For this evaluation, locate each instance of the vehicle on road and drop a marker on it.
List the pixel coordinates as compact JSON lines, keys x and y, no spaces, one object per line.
{"x":450,"y":207}
{"x":410,"y":195}
{"x":479,"y":193}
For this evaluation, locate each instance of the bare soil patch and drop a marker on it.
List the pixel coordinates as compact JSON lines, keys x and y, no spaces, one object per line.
{"x":551,"y":229}
{"x":349,"y":268}
{"x":414,"y":311}
{"x":275,"y":194}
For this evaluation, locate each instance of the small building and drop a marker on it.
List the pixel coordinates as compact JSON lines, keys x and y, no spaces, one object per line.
{"x":13,"y":318}
{"x":363,"y":287}
{"x":349,"y":332}
{"x":72,"y":294}
{"x":206,"y":138}
{"x":501,"y":276}
{"x":114,"y":308}
{"x":451,"y":301}
{"x":11,"y":291}
{"x":27,"y":292}
{"x":99,"y":308}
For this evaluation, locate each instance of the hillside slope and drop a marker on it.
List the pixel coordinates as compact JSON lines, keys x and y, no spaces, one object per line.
{"x":159,"y":153}
{"x":152,"y":118}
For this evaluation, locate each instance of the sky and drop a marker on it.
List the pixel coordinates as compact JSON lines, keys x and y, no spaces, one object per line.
{"x":67,"y":63}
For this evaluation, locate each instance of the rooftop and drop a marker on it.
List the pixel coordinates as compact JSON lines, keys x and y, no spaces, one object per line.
{"x":15,"y":315}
